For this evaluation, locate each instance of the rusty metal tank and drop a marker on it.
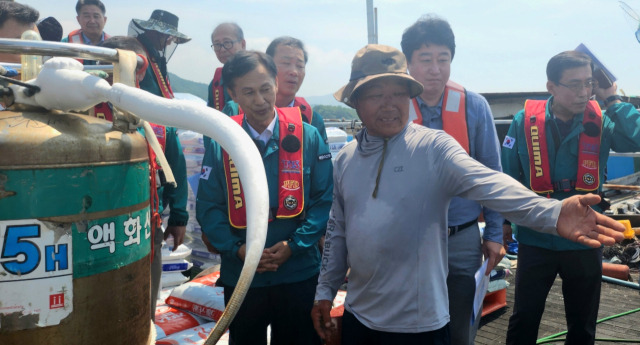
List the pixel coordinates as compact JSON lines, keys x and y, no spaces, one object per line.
{"x":75,"y":233}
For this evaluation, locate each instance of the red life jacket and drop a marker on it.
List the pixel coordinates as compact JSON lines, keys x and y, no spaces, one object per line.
{"x":167,"y":92}
{"x":454,"y":113}
{"x":290,"y":173}
{"x":217,"y":90}
{"x":305,"y":109}
{"x":588,"y":178}
{"x":75,"y":36}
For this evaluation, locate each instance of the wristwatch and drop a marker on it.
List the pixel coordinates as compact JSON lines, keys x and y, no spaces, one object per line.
{"x":611,"y":99}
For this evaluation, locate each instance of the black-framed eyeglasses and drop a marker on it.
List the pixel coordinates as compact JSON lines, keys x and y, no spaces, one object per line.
{"x":226,"y":45}
{"x":577,"y":86}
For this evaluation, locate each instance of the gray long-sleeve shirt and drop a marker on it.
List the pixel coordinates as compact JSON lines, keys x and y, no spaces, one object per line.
{"x":483,"y":147}
{"x":396,"y":244}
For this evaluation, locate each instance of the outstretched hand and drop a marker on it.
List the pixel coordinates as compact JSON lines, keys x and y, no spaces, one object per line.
{"x":578,"y":222}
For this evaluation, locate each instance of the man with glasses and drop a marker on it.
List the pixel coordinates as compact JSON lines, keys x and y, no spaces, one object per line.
{"x":429,"y":45}
{"x":559,"y":148}
{"x":226,"y":40}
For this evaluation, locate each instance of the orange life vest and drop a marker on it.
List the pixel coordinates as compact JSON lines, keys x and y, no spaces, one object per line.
{"x":305,"y":109}
{"x":75,"y":36}
{"x":588,"y":178}
{"x":217,"y":90}
{"x":290,"y":172}
{"x":454,"y":113}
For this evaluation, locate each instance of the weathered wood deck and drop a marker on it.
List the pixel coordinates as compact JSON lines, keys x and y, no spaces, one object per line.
{"x":615,"y":299}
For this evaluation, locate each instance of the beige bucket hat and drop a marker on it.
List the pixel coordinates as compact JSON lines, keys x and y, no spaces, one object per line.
{"x":376,"y":61}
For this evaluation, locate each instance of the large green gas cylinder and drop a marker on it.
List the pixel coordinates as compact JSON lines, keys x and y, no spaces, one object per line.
{"x":75,"y":231}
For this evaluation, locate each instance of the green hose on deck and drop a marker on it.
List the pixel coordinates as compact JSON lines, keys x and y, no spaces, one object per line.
{"x":554,"y":337}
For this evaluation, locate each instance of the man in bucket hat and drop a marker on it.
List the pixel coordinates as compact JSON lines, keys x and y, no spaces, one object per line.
{"x":388,"y":221}
{"x":157,"y":36}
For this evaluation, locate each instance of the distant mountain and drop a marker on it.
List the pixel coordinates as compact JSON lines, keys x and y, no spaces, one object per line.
{"x":187,"y":86}
{"x":201,"y":90}
{"x":323,"y":100}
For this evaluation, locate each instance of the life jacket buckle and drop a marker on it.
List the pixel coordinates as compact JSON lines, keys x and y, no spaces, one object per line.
{"x":564,"y":185}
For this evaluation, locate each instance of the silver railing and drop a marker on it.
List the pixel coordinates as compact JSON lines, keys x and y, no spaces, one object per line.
{"x":48,"y":48}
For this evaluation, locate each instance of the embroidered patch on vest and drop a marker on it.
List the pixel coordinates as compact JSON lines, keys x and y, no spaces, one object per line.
{"x":324,"y":157}
{"x":205,"y":172}
{"x":290,"y":185}
{"x":588,"y":179}
{"x":290,"y":203}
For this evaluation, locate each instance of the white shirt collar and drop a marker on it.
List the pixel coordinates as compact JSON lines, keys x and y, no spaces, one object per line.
{"x":267,"y":133}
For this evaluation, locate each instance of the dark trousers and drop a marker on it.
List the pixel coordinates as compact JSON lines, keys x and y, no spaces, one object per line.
{"x":355,"y":333}
{"x":286,"y":307}
{"x":465,"y":258}
{"x":581,"y":273}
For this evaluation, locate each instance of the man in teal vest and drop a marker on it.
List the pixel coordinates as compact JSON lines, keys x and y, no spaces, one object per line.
{"x":226,"y":40}
{"x":572,"y":129}
{"x":281,"y":294}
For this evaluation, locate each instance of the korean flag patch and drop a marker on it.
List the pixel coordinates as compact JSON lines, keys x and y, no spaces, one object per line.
{"x":205,"y":172}
{"x":508,"y":142}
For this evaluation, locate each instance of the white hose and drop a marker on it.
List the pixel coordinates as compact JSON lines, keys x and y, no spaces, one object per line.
{"x":238,"y":144}
{"x":64,"y":87}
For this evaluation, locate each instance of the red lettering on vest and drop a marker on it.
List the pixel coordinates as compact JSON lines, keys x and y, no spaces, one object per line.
{"x":588,"y":178}
{"x":290,"y":173}
{"x":454,"y":113}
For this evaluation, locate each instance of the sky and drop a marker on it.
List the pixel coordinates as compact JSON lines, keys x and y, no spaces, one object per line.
{"x":501,"y":45}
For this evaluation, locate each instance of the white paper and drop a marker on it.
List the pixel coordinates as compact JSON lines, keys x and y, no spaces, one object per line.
{"x":482,"y":282}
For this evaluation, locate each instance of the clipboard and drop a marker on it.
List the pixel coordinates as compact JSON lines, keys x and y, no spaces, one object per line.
{"x":600,"y":73}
